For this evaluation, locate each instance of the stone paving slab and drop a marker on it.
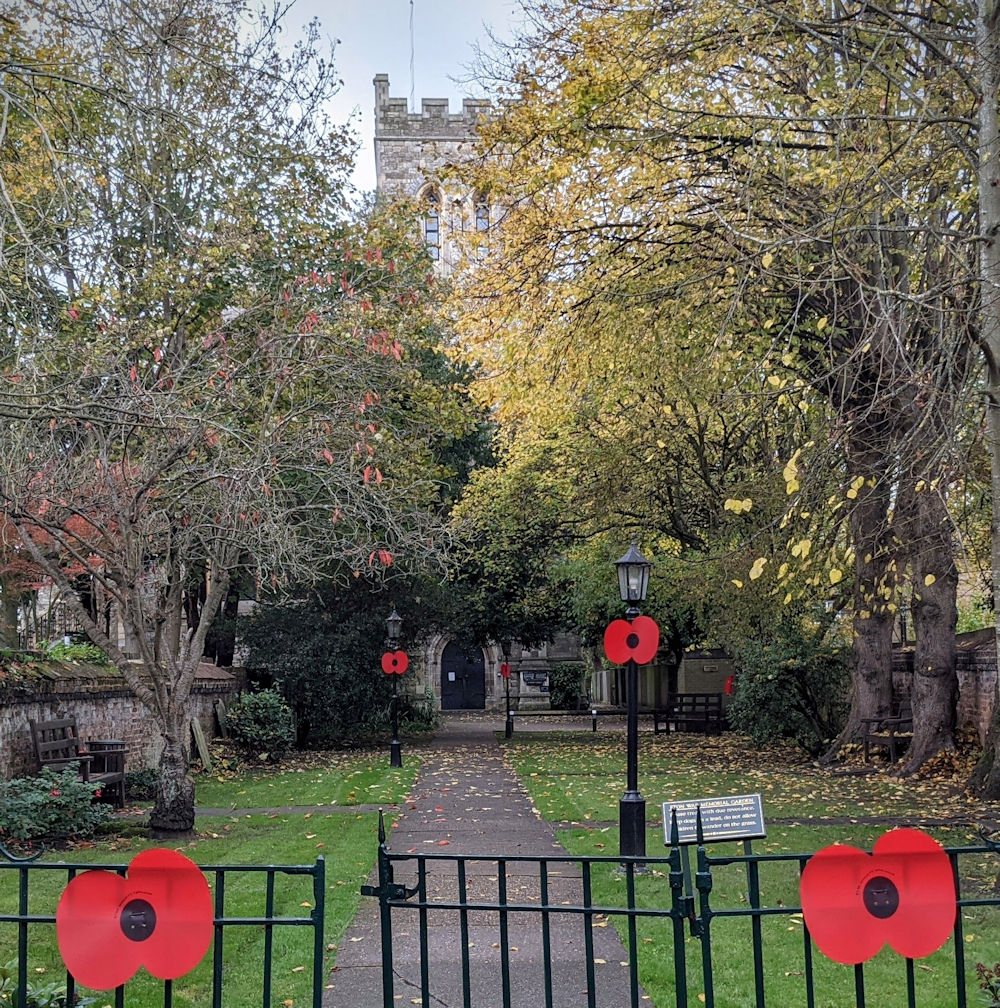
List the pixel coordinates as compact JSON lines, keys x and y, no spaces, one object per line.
{"x":467,"y":801}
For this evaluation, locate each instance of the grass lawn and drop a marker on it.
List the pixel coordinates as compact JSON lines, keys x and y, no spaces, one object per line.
{"x":576,"y":780}
{"x":347,"y":840}
{"x":306,"y":779}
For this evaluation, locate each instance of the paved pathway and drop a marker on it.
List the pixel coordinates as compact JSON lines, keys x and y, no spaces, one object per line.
{"x":466,"y":800}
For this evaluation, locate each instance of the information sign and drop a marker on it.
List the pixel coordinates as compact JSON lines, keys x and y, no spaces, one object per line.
{"x":734,"y":817}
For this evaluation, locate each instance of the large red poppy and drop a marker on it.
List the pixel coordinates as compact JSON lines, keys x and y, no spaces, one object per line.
{"x":395,"y":662}
{"x":637,"y":640}
{"x":158,"y":916}
{"x":902,"y":893}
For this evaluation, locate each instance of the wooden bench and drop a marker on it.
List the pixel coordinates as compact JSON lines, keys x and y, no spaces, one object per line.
{"x":58,"y":745}
{"x":690,"y":712}
{"x":891,"y":733}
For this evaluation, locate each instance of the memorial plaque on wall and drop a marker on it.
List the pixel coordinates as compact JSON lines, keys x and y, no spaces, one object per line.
{"x":733,"y":817}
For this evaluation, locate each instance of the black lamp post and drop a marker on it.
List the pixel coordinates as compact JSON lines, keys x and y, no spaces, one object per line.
{"x":394,"y":623}
{"x":633,"y":582}
{"x":508,"y":725}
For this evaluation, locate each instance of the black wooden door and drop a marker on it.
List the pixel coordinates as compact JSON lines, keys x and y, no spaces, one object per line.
{"x":463,"y":679}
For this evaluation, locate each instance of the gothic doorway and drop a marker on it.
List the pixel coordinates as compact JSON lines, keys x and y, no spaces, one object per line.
{"x":463,"y":679}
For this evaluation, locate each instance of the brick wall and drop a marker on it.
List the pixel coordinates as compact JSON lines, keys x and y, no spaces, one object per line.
{"x":104,"y":707}
{"x":976,"y":668}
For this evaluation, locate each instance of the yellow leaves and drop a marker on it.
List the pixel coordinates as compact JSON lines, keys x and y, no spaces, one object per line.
{"x":738,"y":506}
{"x":766,"y":259}
{"x":821,"y":324}
{"x":758,"y":568}
{"x":774,"y":381}
{"x":801,"y":548}
{"x":737,"y":582}
{"x":836,"y":575}
{"x":791,"y":473}
{"x":856,"y":484}
{"x":929,"y":580}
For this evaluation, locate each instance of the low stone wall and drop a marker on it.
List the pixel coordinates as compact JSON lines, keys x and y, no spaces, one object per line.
{"x":104,"y":707}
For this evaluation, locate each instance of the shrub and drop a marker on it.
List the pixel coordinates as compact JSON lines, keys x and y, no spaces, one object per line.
{"x":261,"y":724}
{"x":50,"y":995}
{"x":76,"y":651}
{"x":419,"y":713}
{"x":791,"y":689}
{"x":323,"y":654}
{"x":566,"y":685}
{"x":50,"y":807}
{"x":140,"y":785}
{"x":989,"y":983}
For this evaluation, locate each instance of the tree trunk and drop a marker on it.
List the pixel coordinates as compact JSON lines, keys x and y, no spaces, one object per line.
{"x":8,"y":620}
{"x":173,"y":812}
{"x":871,"y":647}
{"x":986,"y":776}
{"x":935,"y":613}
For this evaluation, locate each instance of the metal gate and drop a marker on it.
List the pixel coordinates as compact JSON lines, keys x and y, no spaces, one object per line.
{"x":39,"y":884}
{"x":491,"y":905}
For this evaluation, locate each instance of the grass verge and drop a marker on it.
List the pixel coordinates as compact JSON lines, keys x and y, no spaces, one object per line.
{"x":347,"y":841}
{"x":577,"y":779}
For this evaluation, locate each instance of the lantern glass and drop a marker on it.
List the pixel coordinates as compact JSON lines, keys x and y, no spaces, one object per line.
{"x":395,"y":624}
{"x":633,"y":575}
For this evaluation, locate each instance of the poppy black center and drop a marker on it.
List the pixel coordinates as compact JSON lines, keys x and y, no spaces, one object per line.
{"x":138,"y":920}
{"x":632,"y":640}
{"x":881,"y":897}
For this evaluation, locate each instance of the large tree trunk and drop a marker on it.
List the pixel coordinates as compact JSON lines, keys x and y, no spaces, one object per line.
{"x":986,"y":776}
{"x":871,"y":647}
{"x":173,"y":811}
{"x":935,"y":613}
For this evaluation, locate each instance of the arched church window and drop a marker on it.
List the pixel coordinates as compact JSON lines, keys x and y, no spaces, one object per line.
{"x":432,"y":223}
{"x":482,"y":213}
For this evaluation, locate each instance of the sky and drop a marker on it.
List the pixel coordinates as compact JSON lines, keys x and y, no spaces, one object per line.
{"x":373,"y":36}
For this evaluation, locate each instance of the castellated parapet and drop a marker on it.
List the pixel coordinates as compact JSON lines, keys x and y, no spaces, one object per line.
{"x":411,"y":149}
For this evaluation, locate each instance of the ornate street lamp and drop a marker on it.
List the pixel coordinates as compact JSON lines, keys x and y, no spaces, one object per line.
{"x":508,"y":725}
{"x":395,"y":663}
{"x":632,"y":642}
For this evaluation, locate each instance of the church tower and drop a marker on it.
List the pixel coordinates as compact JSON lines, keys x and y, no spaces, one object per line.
{"x":411,"y":149}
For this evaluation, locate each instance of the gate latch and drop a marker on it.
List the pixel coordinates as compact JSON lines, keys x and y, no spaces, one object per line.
{"x":392,"y":891}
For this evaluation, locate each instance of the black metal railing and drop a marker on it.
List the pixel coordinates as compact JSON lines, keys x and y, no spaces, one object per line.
{"x":708,"y":913}
{"x":28,"y":920}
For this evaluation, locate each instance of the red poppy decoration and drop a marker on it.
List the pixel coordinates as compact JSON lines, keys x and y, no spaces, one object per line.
{"x":395,"y":662}
{"x":637,"y":640}
{"x":902,"y":893}
{"x":729,"y":684}
{"x":505,"y":670}
{"x":158,"y":916}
